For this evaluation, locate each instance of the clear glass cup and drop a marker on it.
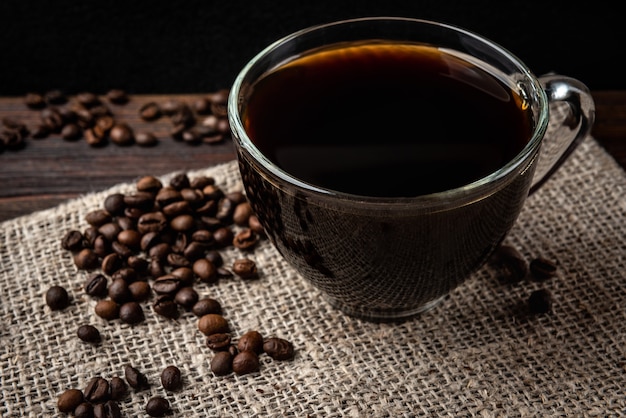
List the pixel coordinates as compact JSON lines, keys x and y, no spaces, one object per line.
{"x":387,"y":258}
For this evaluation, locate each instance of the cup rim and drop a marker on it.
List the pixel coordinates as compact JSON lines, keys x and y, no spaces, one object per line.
{"x":469,"y":191}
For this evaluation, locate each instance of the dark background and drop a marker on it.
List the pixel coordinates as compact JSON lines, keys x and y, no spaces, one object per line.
{"x":199,"y":46}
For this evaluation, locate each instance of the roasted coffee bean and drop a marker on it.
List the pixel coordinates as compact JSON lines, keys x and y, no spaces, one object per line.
{"x":213,"y":324}
{"x":111,"y":263}
{"x":245,"y":268}
{"x":136,"y":379}
{"x":107,"y":309}
{"x":166,"y":307}
{"x":206,"y":306}
{"x":96,"y":285}
{"x":69,"y":400}
{"x":158,"y":406}
{"x":215,"y":257}
{"x":177,"y":260}
{"x":185,"y":274}
{"x":84,"y":410}
{"x":98,"y":217}
{"x":150,"y":111}
{"x":146,"y":139}
{"x":194,"y":251}
{"x":180,"y":181}
{"x":222,"y":363}
{"x":110,"y":230}
{"x":179,"y":207}
{"x":540,"y":301}
{"x":513,"y":264}
{"x":72,"y":241}
{"x":130,"y":238}
{"x":205,"y":270}
{"x":171,"y":378}
{"x":140,"y":291}
{"x":52,"y":119}
{"x":131,"y":313}
{"x":219,"y":341}
{"x":148,"y":184}
{"x":151,"y":222}
{"x":117,"y":96}
{"x":278,"y":348}
{"x":109,"y":409}
{"x":242,"y":213}
{"x":122,"y":134}
{"x":86,"y":259}
{"x":156,"y":268}
{"x":191,"y":136}
{"x":223,"y":236}
{"x":89,"y":334}
{"x":186,"y":297}
{"x":114,"y":204}
{"x":255,"y":225}
{"x":101,"y":246}
{"x":245,"y":362}
{"x":55,"y":97}
{"x":87,"y":99}
{"x":542,"y":269}
{"x":118,"y":291}
{"x":167,"y":285}
{"x":202,"y":106}
{"x":97,"y":390}
{"x":118,"y":388}
{"x":251,"y":340}
{"x":35,"y":101}
{"x":141,"y":200}
{"x":71,"y":132}
{"x":40,"y":131}
{"x":126,"y":223}
{"x":57,"y":298}
{"x":90,"y":234}
{"x":245,"y":239}
{"x":127,"y":274}
{"x":168,"y":195}
{"x":219,"y":102}
{"x":121,"y":250}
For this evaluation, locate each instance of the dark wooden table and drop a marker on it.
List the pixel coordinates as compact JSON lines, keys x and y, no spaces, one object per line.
{"x":49,"y":171}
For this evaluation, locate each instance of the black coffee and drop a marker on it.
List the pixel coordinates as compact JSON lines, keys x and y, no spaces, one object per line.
{"x":386,"y":119}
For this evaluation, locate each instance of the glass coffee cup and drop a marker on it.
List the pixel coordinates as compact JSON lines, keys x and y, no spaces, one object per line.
{"x":388,"y":157}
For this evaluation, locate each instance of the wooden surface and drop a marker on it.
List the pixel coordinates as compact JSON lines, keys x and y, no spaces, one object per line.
{"x":51,"y":170}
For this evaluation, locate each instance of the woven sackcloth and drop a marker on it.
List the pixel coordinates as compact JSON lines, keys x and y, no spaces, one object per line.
{"x":478,"y":353}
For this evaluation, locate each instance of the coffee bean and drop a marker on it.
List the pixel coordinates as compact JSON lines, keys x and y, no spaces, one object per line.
{"x":150,"y":111}
{"x":131,"y":313}
{"x":84,"y":410}
{"x":69,"y":400}
{"x":122,"y":134}
{"x":130,"y":238}
{"x":278,"y":348}
{"x":166,"y":307}
{"x":205,"y":270}
{"x":109,"y":409}
{"x":86,"y":259}
{"x":140,"y":291}
{"x":219,"y":341}
{"x":245,"y":362}
{"x":186,"y":297}
{"x":55,"y":97}
{"x":167,"y":285}
{"x":222,"y":363}
{"x":57,"y":298}
{"x":513,"y":264}
{"x":146,"y":139}
{"x":89,"y":334}
{"x":252,"y":341}
{"x":245,"y":268}
{"x":206,"y":306}
{"x":118,"y":291}
{"x":118,"y":388}
{"x":96,"y":285}
{"x":97,"y":390}
{"x":212,"y":324}
{"x":135,"y":378}
{"x":158,"y":406}
{"x":245,"y":239}
{"x":542,"y":268}
{"x":111,"y":263}
{"x":540,"y":301}
{"x":117,"y":96}
{"x":71,"y":132}
{"x":114,"y":204}
{"x":107,"y":309}
{"x":171,"y":378}
{"x":35,"y":101}
{"x":87,"y":99}
{"x":98,"y":217}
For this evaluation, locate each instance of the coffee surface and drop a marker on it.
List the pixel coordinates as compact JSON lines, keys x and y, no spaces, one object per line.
{"x":386,"y":119}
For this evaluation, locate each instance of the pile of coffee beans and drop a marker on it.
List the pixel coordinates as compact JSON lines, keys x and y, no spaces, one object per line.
{"x":100,"y":398}
{"x":514,"y":268}
{"x":91,"y":117}
{"x":152,"y":247}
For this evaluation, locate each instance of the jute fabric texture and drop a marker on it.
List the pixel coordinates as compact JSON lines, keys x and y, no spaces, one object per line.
{"x":478,"y":353}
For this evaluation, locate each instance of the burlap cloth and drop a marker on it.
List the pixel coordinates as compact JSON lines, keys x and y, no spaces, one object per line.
{"x":478,"y":353}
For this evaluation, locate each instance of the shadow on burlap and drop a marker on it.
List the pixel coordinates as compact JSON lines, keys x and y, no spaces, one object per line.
{"x":478,"y":353}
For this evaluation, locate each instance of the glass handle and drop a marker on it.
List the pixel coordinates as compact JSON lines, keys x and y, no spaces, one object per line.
{"x":572,"y":113}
